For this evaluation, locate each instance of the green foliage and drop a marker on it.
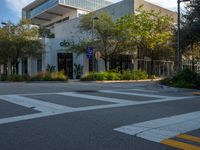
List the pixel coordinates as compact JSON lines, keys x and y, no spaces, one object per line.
{"x":149,"y":32}
{"x":49,"y":76}
{"x":190,"y":31}
{"x":45,"y":33}
{"x":106,"y":35}
{"x":184,"y":79}
{"x":19,"y":41}
{"x":15,"y":78}
{"x":78,"y":70}
{"x":50,"y":68}
{"x":134,"y":75}
{"x":101,"y":76}
{"x":125,"y":75}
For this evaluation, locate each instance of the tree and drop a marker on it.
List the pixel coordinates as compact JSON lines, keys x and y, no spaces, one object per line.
{"x":20,"y":41}
{"x":149,"y":32}
{"x":192,"y":19}
{"x":190,"y":32}
{"x":106,"y":36}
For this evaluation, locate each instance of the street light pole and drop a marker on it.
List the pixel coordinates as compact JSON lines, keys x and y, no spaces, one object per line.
{"x":179,"y":55}
{"x":178,"y":40}
{"x":93,"y":19}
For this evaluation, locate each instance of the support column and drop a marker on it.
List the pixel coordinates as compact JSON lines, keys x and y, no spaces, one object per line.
{"x":29,"y":66}
{"x":2,"y":69}
{"x":9,"y":68}
{"x":19,"y":67}
{"x":135,"y":64}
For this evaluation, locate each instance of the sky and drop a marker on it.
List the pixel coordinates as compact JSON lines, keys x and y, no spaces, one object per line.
{"x":10,"y":10}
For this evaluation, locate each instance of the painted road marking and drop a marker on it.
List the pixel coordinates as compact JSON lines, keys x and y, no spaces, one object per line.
{"x":34,"y":103}
{"x":136,"y":94}
{"x":49,"y":109}
{"x":143,"y":90}
{"x":164,"y":128}
{"x":100,"y":98}
{"x":189,"y":137}
{"x":160,"y":97}
{"x":180,"y":145}
{"x":196,"y":93}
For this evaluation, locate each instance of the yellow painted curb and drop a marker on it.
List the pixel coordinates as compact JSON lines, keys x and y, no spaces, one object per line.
{"x":179,"y":145}
{"x":189,"y":137}
{"x":196,"y":93}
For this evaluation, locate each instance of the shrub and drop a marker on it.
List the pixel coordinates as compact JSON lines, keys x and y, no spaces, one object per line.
{"x":113,"y":76}
{"x":134,"y":75}
{"x":184,"y":79}
{"x":125,"y":75}
{"x":100,"y":76}
{"x":3,"y":78}
{"x":50,"y":68}
{"x":15,"y":78}
{"x":50,"y":76}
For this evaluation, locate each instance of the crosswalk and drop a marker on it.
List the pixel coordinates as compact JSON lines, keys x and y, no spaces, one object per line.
{"x":47,"y":108}
{"x":162,"y":130}
{"x":166,"y":130}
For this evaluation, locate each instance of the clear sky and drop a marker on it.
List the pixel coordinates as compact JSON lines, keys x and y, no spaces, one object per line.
{"x":11,"y":9}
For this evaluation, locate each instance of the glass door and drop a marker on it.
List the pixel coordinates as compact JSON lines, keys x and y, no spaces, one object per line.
{"x":65,"y":63}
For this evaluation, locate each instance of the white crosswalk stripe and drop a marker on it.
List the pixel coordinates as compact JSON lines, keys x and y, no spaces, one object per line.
{"x":100,"y":98}
{"x":48,"y":109}
{"x":160,"y":129}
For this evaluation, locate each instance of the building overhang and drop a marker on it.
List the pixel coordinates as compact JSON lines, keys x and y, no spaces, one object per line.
{"x":51,"y":14}
{"x":34,"y":4}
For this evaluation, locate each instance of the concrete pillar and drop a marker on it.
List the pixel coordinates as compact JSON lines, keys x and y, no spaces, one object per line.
{"x":20,"y":67}
{"x":33,"y":66}
{"x":167,"y":68}
{"x":135,"y":64}
{"x":9,"y":67}
{"x":29,"y":66}
{"x":2,"y":69}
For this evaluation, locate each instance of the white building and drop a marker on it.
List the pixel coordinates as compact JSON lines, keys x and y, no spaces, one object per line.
{"x":62,"y":17}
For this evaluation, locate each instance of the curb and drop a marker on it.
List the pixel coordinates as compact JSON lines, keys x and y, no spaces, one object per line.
{"x":124,"y":81}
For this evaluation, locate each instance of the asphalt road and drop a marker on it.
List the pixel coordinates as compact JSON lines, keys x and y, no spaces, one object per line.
{"x":98,"y":116}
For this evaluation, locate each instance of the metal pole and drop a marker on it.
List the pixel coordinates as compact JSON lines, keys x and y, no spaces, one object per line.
{"x":178,"y":40}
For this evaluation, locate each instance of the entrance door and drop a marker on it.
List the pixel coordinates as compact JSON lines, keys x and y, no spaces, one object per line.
{"x":65,"y":63}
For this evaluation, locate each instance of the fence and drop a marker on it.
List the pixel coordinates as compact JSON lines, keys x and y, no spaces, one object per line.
{"x":157,"y":67}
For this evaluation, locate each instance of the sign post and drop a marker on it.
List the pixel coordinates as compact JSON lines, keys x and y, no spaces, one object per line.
{"x":89,"y":53}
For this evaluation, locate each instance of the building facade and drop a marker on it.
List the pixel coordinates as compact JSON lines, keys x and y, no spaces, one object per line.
{"x":62,"y":17}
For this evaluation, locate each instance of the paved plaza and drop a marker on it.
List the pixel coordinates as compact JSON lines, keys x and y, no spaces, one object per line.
{"x":98,"y":116}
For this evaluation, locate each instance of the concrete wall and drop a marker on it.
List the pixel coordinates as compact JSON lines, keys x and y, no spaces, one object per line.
{"x":150,"y":6}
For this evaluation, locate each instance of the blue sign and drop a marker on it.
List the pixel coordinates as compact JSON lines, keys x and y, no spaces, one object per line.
{"x":89,"y":53}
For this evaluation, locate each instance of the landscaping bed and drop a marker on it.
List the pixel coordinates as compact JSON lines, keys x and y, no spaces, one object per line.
{"x":42,"y":76}
{"x":117,"y":76}
{"x":184,"y":79}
